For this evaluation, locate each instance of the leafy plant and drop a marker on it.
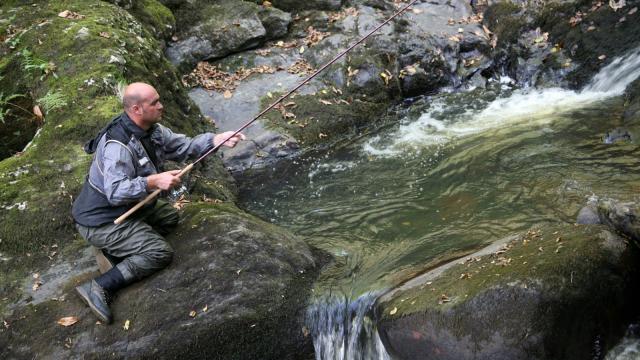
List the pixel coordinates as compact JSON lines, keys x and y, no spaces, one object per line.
{"x":30,"y":62}
{"x":4,"y":103}
{"x":52,"y":101}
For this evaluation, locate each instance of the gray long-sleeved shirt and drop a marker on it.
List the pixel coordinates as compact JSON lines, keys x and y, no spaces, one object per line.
{"x":121,"y":165}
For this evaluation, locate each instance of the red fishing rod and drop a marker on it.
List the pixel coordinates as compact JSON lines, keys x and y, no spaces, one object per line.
{"x":188,"y":168}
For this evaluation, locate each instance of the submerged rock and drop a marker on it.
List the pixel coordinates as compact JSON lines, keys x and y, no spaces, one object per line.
{"x":540,"y":295}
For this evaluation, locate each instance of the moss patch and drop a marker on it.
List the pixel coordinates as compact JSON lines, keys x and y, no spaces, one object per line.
{"x":554,"y":256}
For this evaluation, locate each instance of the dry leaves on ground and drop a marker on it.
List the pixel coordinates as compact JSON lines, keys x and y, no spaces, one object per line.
{"x":301,"y":68}
{"x":335,"y":16}
{"x":314,"y":36}
{"x":211,"y":77}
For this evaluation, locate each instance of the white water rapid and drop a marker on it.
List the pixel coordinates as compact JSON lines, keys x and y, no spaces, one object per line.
{"x":522,"y":108}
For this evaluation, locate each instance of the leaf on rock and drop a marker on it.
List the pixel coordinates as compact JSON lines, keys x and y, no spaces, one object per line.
{"x":602,"y":57}
{"x":37,"y":112}
{"x":68,"y":320}
{"x":393,"y":311}
{"x":192,"y":313}
{"x":70,"y":15}
{"x":615,"y":5}
{"x":227,"y":94}
{"x":126,"y":325}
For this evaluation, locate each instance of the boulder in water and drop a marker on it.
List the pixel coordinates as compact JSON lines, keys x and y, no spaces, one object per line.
{"x":541,"y":295}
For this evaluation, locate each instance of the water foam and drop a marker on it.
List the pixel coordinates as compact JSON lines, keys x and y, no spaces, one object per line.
{"x":523,"y":107}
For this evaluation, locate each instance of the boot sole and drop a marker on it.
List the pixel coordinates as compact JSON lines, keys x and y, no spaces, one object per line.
{"x":85,"y":297}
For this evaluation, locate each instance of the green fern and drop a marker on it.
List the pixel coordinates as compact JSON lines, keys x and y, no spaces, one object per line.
{"x":52,"y":101}
{"x":30,"y":62}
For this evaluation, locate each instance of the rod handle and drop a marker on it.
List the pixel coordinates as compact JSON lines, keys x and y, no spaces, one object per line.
{"x":149,"y":197}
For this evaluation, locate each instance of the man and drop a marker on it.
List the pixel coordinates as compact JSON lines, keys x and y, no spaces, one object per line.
{"x":126,"y":168}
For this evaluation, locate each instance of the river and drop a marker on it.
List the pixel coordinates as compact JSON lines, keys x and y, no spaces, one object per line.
{"x":449,"y":173}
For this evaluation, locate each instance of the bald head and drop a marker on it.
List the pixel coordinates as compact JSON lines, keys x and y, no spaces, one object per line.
{"x":136,"y":93}
{"x":142,"y":103}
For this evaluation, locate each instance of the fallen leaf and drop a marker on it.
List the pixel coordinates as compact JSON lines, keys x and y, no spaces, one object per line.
{"x":417,"y":11}
{"x":5,"y":323}
{"x":602,"y":57}
{"x":227,"y":94}
{"x":615,"y":5}
{"x":266,"y":3}
{"x":37,"y":112}
{"x":321,"y":135}
{"x":326,"y":102}
{"x":70,"y":15}
{"x":591,"y":28}
{"x":67,"y":321}
{"x":632,"y":11}
{"x":192,"y":313}
{"x":36,"y":285}
{"x":105,"y":34}
{"x":205,"y":308}
{"x":126,"y":325}
{"x":301,"y":50}
{"x":460,"y":30}
{"x":393,"y":311}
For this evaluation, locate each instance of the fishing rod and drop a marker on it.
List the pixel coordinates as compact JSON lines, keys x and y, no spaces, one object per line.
{"x":304,"y":82}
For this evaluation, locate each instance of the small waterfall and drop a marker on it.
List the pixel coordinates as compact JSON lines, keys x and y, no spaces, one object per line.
{"x":615,"y":77}
{"x":524,"y":107}
{"x":345,"y":330}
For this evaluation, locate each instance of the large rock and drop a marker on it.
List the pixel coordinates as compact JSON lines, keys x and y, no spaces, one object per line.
{"x":548,"y":294}
{"x":209,"y":31}
{"x":250,"y":276}
{"x":245,"y":281}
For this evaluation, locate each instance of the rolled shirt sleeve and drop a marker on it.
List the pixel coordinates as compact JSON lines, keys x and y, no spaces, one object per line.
{"x":179,"y":147}
{"x":121,"y":185}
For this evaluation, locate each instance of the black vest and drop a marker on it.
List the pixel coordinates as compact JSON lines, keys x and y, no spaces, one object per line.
{"x":92,"y":208}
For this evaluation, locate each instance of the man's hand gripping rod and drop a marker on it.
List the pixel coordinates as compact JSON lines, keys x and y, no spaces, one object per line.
{"x":215,"y":148}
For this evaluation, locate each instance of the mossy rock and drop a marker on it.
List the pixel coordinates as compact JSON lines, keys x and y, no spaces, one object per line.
{"x":86,"y":59}
{"x":546,"y":294}
{"x":325,"y":117}
{"x":244,"y":307}
{"x":601,"y":31}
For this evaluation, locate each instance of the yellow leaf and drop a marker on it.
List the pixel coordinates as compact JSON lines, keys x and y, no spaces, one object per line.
{"x":126,"y":325}
{"x":67,"y":321}
{"x":393,"y":311}
{"x":266,"y":3}
{"x":205,"y":308}
{"x":192,"y":313}
{"x":301,"y":49}
{"x":227,"y":94}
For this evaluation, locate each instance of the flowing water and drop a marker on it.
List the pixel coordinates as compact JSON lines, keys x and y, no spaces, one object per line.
{"x":456,"y":172}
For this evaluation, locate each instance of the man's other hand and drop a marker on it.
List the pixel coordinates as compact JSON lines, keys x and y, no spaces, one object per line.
{"x":163,"y":181}
{"x":233,"y":140}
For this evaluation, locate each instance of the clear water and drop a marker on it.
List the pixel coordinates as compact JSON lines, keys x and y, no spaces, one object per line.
{"x":454,"y":174}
